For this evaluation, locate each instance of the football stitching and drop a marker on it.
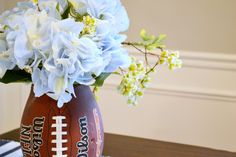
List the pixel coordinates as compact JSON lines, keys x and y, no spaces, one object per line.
{"x":59,"y":141}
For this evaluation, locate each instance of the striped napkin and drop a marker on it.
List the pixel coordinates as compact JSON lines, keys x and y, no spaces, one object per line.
{"x":10,"y":149}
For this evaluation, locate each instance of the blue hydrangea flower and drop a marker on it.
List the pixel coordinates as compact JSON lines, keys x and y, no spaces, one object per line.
{"x":7,"y":61}
{"x":114,"y":12}
{"x":31,"y":37}
{"x":110,"y":43}
{"x":56,"y":50}
{"x":40,"y":81}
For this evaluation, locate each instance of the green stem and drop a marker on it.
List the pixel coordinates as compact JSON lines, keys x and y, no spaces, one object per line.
{"x":153,"y":68}
{"x":146,"y":59}
{"x":135,"y":45}
{"x":38,"y":7}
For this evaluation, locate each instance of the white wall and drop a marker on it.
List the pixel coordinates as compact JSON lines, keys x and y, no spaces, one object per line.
{"x":195,"y":105}
{"x":1,"y":6}
{"x":10,"y":109}
{"x":194,"y":25}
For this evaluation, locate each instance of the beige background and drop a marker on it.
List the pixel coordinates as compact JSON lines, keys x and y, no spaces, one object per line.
{"x":195,"y":105}
{"x":198,"y":25}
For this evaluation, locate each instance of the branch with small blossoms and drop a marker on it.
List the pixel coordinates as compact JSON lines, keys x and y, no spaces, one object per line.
{"x":137,"y":77}
{"x":144,"y":52}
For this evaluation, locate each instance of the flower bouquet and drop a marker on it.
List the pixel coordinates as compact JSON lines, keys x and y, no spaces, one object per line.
{"x":59,"y":44}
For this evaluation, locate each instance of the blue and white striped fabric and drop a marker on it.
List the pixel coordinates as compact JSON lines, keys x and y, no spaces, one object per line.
{"x":10,"y":149}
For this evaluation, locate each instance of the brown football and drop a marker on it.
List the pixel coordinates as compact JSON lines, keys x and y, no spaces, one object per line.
{"x":75,"y":130}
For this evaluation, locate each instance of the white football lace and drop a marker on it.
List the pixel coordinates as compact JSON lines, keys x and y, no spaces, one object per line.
{"x":59,"y":149}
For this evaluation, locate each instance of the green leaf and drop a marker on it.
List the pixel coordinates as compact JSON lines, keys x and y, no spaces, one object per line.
{"x":143,"y":33}
{"x":6,"y":27}
{"x":145,"y":37}
{"x":161,"y":38}
{"x":58,"y":7}
{"x":16,"y":76}
{"x":151,"y":42}
{"x":100,"y":79}
{"x":151,"y":47}
{"x":65,"y":15}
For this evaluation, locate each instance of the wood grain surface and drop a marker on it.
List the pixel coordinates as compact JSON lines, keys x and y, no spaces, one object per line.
{"x":123,"y":146}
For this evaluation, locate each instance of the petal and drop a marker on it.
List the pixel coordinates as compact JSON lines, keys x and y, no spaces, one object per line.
{"x":64,"y":98}
{"x":119,"y":59}
{"x":85,"y":79}
{"x":22,"y":49}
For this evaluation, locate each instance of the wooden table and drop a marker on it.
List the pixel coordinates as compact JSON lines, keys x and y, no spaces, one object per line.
{"x":123,"y":146}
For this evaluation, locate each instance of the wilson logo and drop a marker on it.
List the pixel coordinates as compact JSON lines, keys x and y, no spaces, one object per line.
{"x":83,"y":144}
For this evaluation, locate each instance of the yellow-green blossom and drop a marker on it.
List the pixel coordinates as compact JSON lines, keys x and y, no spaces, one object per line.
{"x":134,"y":82}
{"x":171,"y":58}
{"x":35,"y":1}
{"x":89,"y":25}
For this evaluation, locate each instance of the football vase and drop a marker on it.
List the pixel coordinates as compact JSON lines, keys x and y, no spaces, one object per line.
{"x":75,"y":130}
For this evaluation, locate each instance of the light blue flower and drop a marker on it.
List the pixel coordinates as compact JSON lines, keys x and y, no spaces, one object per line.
{"x":40,"y":81}
{"x":55,"y":87}
{"x":22,"y":50}
{"x":74,"y":57}
{"x":38,"y":29}
{"x":32,"y":37}
{"x":112,"y":11}
{"x":90,"y":61}
{"x":60,"y":88}
{"x":56,"y":50}
{"x":113,"y":53}
{"x":73,"y":60}
{"x":63,"y":98}
{"x":118,"y":58}
{"x":7,"y":61}
{"x":67,"y":26}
